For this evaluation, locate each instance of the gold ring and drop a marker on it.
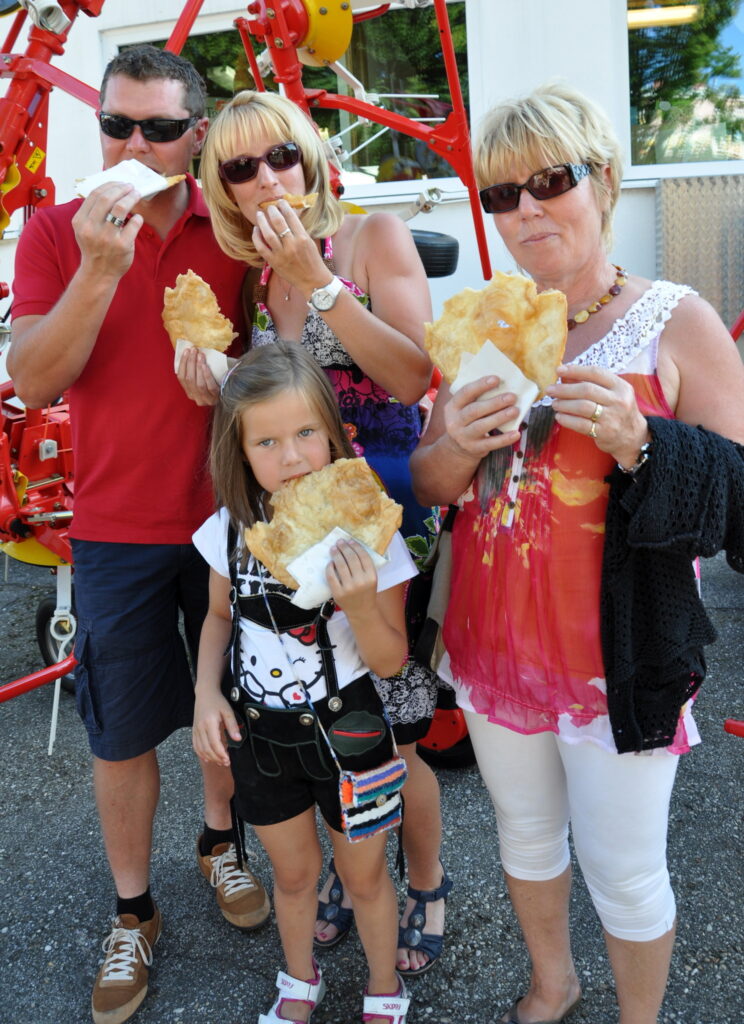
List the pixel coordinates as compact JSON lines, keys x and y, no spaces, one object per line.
{"x":598,"y":410}
{"x":593,"y":429}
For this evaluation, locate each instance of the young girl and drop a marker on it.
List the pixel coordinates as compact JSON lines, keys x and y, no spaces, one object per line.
{"x":277,"y":419}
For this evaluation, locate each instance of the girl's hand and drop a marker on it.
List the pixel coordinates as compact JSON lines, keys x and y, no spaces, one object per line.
{"x":473,"y":423}
{"x":352,"y":577}
{"x":598,"y":403}
{"x":213,"y":716}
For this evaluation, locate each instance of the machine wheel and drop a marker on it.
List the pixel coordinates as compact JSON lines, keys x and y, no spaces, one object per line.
{"x":447,"y":743}
{"x":50,"y":645}
{"x":438,"y":252}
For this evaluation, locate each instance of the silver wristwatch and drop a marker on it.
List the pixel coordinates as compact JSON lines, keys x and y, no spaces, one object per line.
{"x":324,"y":298}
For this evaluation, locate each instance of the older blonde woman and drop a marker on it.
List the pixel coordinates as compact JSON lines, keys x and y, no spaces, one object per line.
{"x":352,"y":291}
{"x":564,"y":692}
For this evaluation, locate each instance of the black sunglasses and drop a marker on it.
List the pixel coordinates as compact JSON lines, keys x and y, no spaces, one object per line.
{"x":154,"y":129}
{"x":545,"y":184}
{"x":244,"y":168}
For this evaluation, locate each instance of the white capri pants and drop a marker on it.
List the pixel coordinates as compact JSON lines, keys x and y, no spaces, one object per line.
{"x":617,"y":804}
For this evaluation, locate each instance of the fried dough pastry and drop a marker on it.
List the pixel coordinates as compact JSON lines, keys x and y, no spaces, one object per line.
{"x":295,"y":201}
{"x":345,"y":493}
{"x":529,"y":328}
{"x":190,"y":311}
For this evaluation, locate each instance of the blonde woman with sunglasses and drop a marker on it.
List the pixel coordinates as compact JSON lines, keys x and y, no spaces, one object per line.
{"x":577,"y":673}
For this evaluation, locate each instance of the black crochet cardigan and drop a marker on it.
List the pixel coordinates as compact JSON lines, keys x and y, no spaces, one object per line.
{"x":688,"y":500}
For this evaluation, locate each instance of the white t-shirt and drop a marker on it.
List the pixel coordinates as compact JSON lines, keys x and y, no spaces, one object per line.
{"x":265,"y":673}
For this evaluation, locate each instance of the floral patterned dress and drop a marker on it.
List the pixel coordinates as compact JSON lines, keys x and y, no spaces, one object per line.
{"x":385,"y":432}
{"x":522,"y":627}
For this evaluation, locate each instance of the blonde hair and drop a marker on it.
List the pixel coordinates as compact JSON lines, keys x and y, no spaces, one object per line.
{"x":247,"y":115}
{"x":554,"y":124}
{"x":263,"y":374}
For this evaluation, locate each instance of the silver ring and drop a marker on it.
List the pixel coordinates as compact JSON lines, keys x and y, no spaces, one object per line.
{"x":118,"y":222}
{"x":598,"y":410}
{"x":593,"y":429}
{"x":287,"y":231}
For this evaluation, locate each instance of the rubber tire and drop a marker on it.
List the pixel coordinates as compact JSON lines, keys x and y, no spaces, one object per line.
{"x":439,"y":252}
{"x":47,"y":645}
{"x":461,"y":755}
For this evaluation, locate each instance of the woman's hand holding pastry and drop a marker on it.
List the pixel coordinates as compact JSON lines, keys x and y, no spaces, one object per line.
{"x":595,"y":402}
{"x":281,"y":240}
{"x":352,"y":577}
{"x":213,"y":717}
{"x":473,"y":422}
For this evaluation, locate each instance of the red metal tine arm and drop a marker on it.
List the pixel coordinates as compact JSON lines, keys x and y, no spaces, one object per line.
{"x":465,"y":168}
{"x":40,"y":678}
{"x":23,"y":108}
{"x":183,"y":26}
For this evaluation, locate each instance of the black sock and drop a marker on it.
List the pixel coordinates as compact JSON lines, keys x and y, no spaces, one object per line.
{"x":142,"y":906}
{"x":212,"y":837}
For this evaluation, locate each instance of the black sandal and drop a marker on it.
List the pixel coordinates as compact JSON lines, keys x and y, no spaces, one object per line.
{"x":412,"y":937}
{"x":333,"y":913}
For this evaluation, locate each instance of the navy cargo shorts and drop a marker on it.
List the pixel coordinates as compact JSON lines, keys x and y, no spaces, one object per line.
{"x":133,"y":681}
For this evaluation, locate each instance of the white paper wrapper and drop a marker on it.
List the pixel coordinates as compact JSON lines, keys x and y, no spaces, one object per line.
{"x":491,"y":361}
{"x":309,"y":569}
{"x":216,"y":361}
{"x":131,"y":172}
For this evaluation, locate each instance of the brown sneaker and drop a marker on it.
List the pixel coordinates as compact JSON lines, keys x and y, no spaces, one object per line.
{"x":121,"y":983}
{"x":241,"y":897}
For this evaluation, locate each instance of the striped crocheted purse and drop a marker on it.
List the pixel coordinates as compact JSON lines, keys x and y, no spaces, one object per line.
{"x":371,"y":801}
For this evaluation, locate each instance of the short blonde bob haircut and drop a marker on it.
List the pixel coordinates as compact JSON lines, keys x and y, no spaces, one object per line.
{"x":554,"y":124}
{"x":244,"y":118}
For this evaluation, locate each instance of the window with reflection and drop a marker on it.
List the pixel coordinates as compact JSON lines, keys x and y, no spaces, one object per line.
{"x":396,"y":59}
{"x":686,"y":80}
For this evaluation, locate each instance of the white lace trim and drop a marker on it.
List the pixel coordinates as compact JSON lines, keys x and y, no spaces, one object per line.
{"x":642,"y":323}
{"x":640,"y":327}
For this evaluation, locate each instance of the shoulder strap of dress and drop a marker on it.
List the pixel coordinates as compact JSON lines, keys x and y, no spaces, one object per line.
{"x":326,"y":248}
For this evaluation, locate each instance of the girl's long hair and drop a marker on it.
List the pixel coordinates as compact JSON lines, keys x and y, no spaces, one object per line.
{"x":263,"y":374}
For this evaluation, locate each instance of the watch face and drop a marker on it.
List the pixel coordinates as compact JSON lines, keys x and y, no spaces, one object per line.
{"x":323,"y":298}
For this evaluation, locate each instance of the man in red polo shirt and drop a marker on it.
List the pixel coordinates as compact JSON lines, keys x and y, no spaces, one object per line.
{"x":88,"y":295}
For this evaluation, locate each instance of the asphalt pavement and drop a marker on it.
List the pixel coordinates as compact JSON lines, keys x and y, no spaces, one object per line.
{"x":56,"y":893}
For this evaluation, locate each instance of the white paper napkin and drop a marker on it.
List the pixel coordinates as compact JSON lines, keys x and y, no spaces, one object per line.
{"x":216,"y":361}
{"x":131,"y":172}
{"x":309,"y":569}
{"x":491,"y":361}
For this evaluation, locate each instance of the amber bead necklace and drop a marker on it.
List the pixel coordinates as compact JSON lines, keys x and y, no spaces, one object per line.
{"x":583,"y":315}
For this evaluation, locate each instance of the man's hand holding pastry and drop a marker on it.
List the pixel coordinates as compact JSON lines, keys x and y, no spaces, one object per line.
{"x":105,"y":230}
